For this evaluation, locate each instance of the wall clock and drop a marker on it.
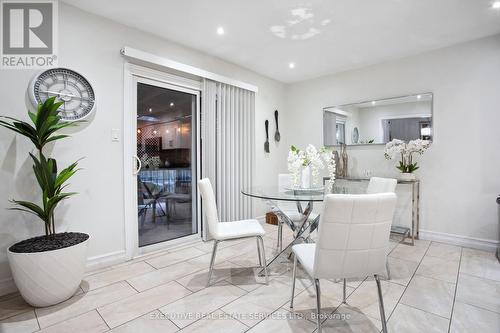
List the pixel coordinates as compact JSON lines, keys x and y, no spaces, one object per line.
{"x":69,"y":87}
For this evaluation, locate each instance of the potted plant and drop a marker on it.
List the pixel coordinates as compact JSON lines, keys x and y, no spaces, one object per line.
{"x":305,"y":166}
{"x":47,"y":269}
{"x":405,"y":152}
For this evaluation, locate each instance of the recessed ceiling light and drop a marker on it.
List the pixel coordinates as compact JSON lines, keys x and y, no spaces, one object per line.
{"x":291,"y":65}
{"x":220,"y":31}
{"x":495,"y":5}
{"x":373,"y":102}
{"x":171,"y":104}
{"x":419,"y":96}
{"x":150,"y":110}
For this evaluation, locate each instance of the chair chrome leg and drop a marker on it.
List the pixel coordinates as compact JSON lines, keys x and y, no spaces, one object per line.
{"x":387,"y":268}
{"x":345,"y":292}
{"x":294,"y":276}
{"x":212,"y":261}
{"x":258,"y":252}
{"x":263,"y":256}
{"x":381,"y":305}
{"x":318,"y":304}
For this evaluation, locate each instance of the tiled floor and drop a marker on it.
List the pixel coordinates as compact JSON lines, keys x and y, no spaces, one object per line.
{"x":434,"y":288}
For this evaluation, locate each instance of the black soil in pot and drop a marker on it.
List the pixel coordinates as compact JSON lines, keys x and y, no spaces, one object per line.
{"x":49,"y":243}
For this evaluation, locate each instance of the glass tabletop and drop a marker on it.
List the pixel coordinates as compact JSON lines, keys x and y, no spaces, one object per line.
{"x":273,"y":193}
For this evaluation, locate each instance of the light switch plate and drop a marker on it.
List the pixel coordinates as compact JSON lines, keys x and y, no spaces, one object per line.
{"x":115,"y":135}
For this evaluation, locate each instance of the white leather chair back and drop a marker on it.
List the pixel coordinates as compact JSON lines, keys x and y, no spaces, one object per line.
{"x":353,"y":235}
{"x":381,"y":185}
{"x":209,"y":205}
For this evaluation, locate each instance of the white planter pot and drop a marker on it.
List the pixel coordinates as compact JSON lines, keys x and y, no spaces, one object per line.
{"x":306,"y":177}
{"x":406,"y":176}
{"x":50,"y":277}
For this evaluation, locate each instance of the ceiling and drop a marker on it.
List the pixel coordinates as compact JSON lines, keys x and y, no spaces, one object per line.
{"x":319,"y":37}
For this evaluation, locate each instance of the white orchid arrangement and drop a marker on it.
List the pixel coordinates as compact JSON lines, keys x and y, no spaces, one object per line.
{"x":405,"y":151}
{"x":313,"y":158}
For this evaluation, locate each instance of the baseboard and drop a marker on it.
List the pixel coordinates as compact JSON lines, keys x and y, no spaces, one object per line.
{"x":108,"y":259}
{"x":475,"y":243}
{"x":7,"y":286}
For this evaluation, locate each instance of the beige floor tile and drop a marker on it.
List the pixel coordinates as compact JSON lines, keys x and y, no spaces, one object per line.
{"x":121,"y":273}
{"x":163,"y":275}
{"x":251,"y":258}
{"x":410,"y":253}
{"x":431,"y":295}
{"x":137,"y":305}
{"x":152,"y":322}
{"x":260,"y":302}
{"x":247,"y":278}
{"x":444,"y":251}
{"x":437,"y":268}
{"x":365,"y":297}
{"x":12,"y":305}
{"x":480,"y":292}
{"x":174,"y":257}
{"x":402,"y":270}
{"x":217,"y":321}
{"x":89,"y":322}
{"x":21,"y":323}
{"x":411,"y":320}
{"x":198,"y":280}
{"x":222,"y":255}
{"x":83,"y":303}
{"x":480,"y":263}
{"x":347,"y":319}
{"x":193,"y":307}
{"x":468,"y":318}
{"x":331,"y":297}
{"x":283,"y":321}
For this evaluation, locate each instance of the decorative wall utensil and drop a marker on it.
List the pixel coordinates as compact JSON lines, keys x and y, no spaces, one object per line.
{"x":266,"y":144}
{"x":277,"y":135}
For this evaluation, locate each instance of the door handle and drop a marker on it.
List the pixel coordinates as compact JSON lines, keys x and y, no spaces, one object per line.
{"x":135,"y":172}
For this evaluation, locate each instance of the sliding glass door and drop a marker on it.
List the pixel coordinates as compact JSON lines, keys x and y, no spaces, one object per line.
{"x":166,"y":162}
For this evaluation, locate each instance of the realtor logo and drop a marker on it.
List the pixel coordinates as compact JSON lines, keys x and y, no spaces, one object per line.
{"x":28,"y":34}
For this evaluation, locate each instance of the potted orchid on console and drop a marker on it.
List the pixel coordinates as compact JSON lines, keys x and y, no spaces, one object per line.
{"x":406,"y":152}
{"x":305,"y":166}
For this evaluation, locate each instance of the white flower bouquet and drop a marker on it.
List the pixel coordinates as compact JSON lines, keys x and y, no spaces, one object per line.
{"x":311,"y":159}
{"x":405,"y":151}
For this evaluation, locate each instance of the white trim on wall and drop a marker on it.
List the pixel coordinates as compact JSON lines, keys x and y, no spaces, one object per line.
{"x":150,"y":58}
{"x":489,"y":245}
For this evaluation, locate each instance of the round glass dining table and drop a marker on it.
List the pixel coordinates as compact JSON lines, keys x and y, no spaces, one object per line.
{"x":300,"y":223}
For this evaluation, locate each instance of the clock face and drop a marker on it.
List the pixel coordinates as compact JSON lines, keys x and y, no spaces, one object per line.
{"x":67,"y":86}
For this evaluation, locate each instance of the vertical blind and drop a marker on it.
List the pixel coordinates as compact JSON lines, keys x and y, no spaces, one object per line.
{"x":228,"y":127}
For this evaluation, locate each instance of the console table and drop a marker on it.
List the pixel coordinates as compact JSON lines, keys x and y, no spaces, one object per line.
{"x":405,"y":232}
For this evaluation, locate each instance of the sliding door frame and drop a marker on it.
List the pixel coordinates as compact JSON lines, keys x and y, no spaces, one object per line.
{"x":133,"y":74}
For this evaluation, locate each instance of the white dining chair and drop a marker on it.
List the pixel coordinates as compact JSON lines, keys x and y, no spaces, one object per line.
{"x":352,"y":242}
{"x":224,"y":231}
{"x":289,"y":208}
{"x":382,"y":185}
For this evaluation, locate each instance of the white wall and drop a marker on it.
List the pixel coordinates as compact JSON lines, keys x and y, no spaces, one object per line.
{"x":91,"y":44}
{"x":460,"y":173}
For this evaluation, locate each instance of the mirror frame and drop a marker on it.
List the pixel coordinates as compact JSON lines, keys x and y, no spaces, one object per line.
{"x":326,"y":109}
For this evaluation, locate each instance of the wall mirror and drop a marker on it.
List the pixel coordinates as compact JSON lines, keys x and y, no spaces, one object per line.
{"x":379,"y":121}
